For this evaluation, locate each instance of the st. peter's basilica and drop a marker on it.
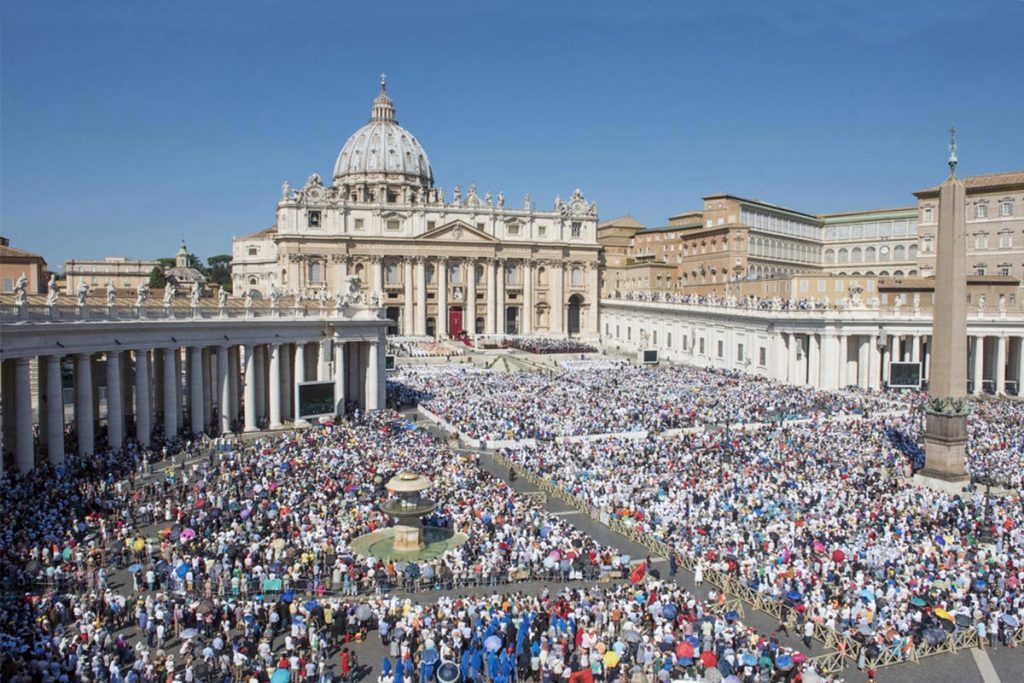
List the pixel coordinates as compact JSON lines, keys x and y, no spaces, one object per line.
{"x":440,"y":266}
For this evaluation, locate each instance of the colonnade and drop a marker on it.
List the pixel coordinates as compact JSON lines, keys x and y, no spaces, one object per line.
{"x":153,"y":393}
{"x":833,"y":360}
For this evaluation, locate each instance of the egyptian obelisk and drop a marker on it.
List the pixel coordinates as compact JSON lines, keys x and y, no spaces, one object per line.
{"x":945,"y":435}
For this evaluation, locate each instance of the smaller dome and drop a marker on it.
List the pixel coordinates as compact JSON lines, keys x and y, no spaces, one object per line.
{"x":408,"y":482}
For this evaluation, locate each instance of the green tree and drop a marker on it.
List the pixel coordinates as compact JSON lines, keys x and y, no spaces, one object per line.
{"x":156,"y":278}
{"x":219,"y":270}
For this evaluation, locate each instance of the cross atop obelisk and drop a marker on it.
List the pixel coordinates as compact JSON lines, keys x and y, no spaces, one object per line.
{"x":945,"y":434}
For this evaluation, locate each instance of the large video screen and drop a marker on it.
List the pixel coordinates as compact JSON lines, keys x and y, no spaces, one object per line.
{"x":316,"y":399}
{"x":905,"y":375}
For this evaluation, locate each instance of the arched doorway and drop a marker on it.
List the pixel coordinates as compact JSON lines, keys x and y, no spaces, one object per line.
{"x":431,"y":327}
{"x":512,"y":320}
{"x":575,"y":306}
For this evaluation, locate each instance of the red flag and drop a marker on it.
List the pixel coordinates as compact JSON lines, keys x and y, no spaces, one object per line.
{"x":637,"y":575}
{"x":652,"y":598}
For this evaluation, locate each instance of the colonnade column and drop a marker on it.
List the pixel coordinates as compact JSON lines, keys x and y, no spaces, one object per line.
{"x":421,"y":296}
{"x":249,"y":400}
{"x":300,"y":376}
{"x":209,"y":389}
{"x":83,"y":404}
{"x":813,"y":360}
{"x":979,"y":363}
{"x":441,"y":277}
{"x":844,"y":364}
{"x":339,"y":378}
{"x":54,"y":411}
{"x":408,"y":312}
{"x":1000,"y":365}
{"x":287,"y":395}
{"x":557,"y":291}
{"x":259,"y":356}
{"x":827,"y":362}
{"x":526,"y":319}
{"x":887,"y":351}
{"x":375,"y":398}
{"x":195,"y":386}
{"x":223,"y":390}
{"x":874,"y":358}
{"x":171,"y":383}
{"x":501,"y":272}
{"x":792,"y":375}
{"x":115,"y":407}
{"x":24,"y":447}
{"x":274,"y":386}
{"x":469,"y":321}
{"x":492,"y":292}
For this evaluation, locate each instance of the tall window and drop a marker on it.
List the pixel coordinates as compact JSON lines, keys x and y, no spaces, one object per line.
{"x":928,"y":215}
{"x":1006,"y":208}
{"x":511,"y":274}
{"x":391,"y":276}
{"x":981,"y":240}
{"x":981,"y":210}
{"x":576,"y":277}
{"x":577,"y":228}
{"x":1005,"y":240}
{"x":314,"y":219}
{"x":455,"y":274}
{"x":316,"y":273}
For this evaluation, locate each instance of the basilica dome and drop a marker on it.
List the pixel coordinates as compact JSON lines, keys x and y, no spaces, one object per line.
{"x":383,"y":147}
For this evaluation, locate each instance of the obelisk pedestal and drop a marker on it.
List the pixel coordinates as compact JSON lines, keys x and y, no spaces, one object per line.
{"x":945,"y":435}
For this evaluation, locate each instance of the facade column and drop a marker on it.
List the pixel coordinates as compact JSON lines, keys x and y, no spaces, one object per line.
{"x":300,"y":376}
{"x":421,"y":296}
{"x":499,"y":296}
{"x":408,"y":311}
{"x":339,"y":378}
{"x":1000,"y":365}
{"x":594,"y":296}
{"x":24,"y":446}
{"x":179,"y":390}
{"x":376,"y":274}
{"x":979,"y":364}
{"x":223,"y":390}
{"x":492,"y":290}
{"x":915,"y":348}
{"x":926,"y":356}
{"x":274,"y":386}
{"x":469,"y":322}
{"x":249,"y":400}
{"x":115,"y":407}
{"x":171,"y":383}
{"x":441,"y":277}
{"x":83,"y":404}
{"x":195,"y":387}
{"x":557,"y":289}
{"x":526,"y":318}
{"x":54,"y":411}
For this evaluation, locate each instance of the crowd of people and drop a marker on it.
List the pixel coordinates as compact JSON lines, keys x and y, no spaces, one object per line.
{"x":821,"y":515}
{"x":234,"y":529}
{"x":500,"y":407}
{"x":651,"y":632}
{"x":747,"y":301}
{"x":549,"y":345}
{"x":418,"y":348}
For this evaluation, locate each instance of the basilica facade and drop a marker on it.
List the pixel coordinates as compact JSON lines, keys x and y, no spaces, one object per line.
{"x":439,"y":266}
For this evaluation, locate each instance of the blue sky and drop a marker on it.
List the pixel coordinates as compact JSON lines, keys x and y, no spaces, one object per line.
{"x":125,"y":126}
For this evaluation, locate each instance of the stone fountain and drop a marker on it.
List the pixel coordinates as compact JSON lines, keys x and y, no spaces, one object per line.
{"x":408,"y":539}
{"x":407,"y":506}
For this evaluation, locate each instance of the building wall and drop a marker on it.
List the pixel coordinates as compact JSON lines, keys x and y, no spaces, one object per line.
{"x":124,"y":273}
